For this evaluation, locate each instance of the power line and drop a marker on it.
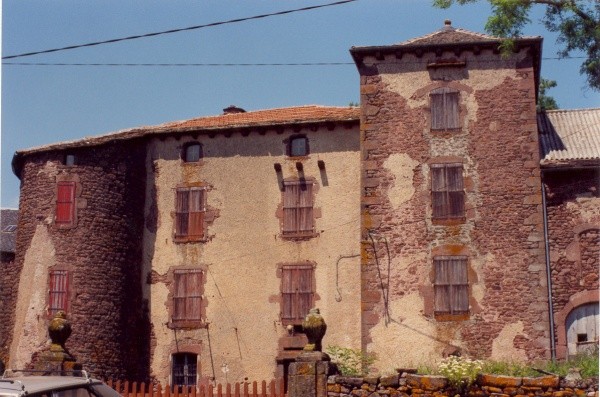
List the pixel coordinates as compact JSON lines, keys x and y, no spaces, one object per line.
{"x":119,"y":64}
{"x":230,"y":21}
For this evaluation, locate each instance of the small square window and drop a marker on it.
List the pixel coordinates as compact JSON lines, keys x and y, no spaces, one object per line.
{"x":192,"y":153}
{"x":298,"y":146}
{"x":70,"y":159}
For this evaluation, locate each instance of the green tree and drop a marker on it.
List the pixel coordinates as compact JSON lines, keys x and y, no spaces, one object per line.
{"x":545,"y":101}
{"x":577,"y":23}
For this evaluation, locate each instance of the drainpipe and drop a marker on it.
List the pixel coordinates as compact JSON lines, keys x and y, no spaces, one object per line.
{"x":548,"y":274}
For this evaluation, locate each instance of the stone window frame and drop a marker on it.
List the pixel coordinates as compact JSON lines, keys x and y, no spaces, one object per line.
{"x":316,"y":212}
{"x":281,"y":267}
{"x":208,"y":214}
{"x":170,"y":282}
{"x":186,"y":351}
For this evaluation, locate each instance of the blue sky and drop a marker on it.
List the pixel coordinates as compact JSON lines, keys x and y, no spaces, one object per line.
{"x":45,"y":104}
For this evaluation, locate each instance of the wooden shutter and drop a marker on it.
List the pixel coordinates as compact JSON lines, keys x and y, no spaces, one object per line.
{"x":451,"y":286}
{"x":58,"y":291}
{"x":298,"y":218}
{"x":297,"y":291}
{"x":65,"y":202}
{"x":187,"y":295}
{"x":447,"y":191}
{"x":196,"y":212}
{"x":182,"y":212}
{"x":444,"y":109}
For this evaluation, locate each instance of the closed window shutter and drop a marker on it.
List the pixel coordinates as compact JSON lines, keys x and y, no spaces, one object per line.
{"x":451,"y":286}
{"x":182,"y":212}
{"x":297,"y":291}
{"x":187,"y":295}
{"x":447,"y":191}
{"x":444,"y":109}
{"x":298,"y":216}
{"x":196,"y":214}
{"x":65,"y":202}
{"x":59,"y":287}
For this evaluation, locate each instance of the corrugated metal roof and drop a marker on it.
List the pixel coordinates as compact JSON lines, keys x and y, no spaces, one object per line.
{"x":8,"y":229}
{"x":569,"y":135}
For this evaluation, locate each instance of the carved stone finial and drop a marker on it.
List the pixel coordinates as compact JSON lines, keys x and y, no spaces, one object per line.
{"x":314,"y":327}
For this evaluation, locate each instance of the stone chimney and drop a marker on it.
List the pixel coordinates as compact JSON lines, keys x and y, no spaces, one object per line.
{"x":232,"y":109}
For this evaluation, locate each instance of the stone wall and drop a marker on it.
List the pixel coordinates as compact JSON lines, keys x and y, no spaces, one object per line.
{"x":486,"y":385}
{"x":501,"y":234}
{"x":101,"y":252}
{"x":8,"y":290}
{"x":573,"y":210}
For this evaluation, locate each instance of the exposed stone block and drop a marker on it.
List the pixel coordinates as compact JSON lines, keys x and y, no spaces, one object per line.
{"x":498,"y":380}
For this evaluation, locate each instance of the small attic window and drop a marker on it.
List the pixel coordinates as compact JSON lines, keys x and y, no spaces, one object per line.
{"x":70,"y":159}
{"x":192,"y":152}
{"x":298,"y":146}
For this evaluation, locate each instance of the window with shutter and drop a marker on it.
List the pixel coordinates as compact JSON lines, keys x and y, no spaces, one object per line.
{"x":184,"y":369}
{"x":298,"y":217}
{"x":451,"y":285}
{"x":189,"y":213}
{"x":58,"y":297}
{"x":65,"y":203}
{"x":445,"y":112}
{"x":297,"y":292}
{"x":188,"y":285}
{"x":447,"y":191}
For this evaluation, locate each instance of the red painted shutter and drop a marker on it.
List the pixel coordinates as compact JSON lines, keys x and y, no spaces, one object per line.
{"x":182,"y":212}
{"x":58,"y":291}
{"x":65,"y":202}
{"x":196,"y":212}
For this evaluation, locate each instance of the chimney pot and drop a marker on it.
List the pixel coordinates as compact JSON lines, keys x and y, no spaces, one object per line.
{"x":232,"y":109}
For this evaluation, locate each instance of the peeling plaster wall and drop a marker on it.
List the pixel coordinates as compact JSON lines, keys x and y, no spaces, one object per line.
{"x":244,"y":248}
{"x":502,"y":233}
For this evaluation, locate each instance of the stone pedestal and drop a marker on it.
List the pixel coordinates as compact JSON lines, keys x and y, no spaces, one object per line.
{"x":308,"y":375}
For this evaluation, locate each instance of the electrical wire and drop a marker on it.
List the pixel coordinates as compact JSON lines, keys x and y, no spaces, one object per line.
{"x":217,"y":64}
{"x":164,"y":32}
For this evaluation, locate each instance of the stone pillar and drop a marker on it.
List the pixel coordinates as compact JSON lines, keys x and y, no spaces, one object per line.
{"x":57,"y":359}
{"x":307,"y":376}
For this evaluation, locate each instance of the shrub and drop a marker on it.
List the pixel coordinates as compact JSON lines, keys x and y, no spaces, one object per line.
{"x":350,"y":362}
{"x":461,"y":372}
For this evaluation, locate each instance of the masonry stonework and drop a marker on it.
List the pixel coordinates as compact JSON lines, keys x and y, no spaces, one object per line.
{"x":101,"y":252}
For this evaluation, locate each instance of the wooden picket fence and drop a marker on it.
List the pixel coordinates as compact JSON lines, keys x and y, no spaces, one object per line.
{"x":134,"y":389}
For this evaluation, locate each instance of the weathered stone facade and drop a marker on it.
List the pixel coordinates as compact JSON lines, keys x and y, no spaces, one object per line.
{"x":101,"y":252}
{"x":501,"y":232}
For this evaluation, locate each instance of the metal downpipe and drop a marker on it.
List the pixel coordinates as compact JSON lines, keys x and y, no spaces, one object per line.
{"x":548,"y":274}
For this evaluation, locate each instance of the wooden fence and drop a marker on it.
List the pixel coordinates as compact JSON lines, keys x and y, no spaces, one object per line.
{"x":134,"y":389}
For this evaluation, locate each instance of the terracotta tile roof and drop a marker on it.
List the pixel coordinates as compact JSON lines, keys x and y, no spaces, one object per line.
{"x":300,"y":114}
{"x":260,"y":118}
{"x":568,"y":136}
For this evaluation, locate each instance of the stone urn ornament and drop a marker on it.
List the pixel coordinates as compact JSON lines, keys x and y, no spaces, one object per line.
{"x":314,"y":328}
{"x":59,"y":331}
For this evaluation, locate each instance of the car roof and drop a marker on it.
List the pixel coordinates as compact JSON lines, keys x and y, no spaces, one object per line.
{"x":36,"y":384}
